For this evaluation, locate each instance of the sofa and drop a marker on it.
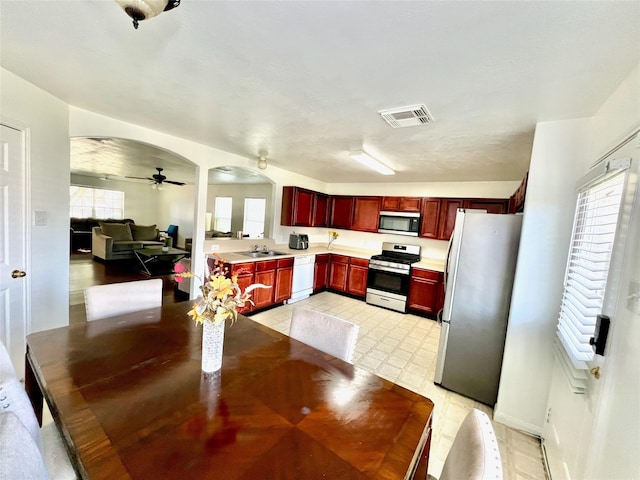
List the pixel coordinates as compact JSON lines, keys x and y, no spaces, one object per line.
{"x":114,"y":241}
{"x":80,"y":230}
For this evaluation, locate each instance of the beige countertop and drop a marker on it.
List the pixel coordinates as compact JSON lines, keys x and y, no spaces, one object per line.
{"x":238,"y":257}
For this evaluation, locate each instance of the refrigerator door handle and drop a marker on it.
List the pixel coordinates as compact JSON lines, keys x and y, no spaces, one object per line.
{"x":442,"y":352}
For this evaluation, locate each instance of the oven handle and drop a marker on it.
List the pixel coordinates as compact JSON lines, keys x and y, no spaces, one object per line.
{"x":389,"y":269}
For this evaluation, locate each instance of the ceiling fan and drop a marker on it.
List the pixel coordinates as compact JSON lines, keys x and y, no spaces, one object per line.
{"x":158,"y":179}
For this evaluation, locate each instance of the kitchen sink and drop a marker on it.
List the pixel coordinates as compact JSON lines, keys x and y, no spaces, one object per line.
{"x":262,"y":253}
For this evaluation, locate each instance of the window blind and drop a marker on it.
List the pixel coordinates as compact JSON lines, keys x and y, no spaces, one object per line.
{"x":594,"y":232}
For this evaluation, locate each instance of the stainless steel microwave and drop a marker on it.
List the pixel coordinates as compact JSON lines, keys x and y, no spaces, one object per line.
{"x":400,"y":223}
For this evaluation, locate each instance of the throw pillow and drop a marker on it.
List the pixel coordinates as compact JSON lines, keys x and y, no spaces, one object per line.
{"x":117,"y":231}
{"x":144,"y":232}
{"x":19,"y":455}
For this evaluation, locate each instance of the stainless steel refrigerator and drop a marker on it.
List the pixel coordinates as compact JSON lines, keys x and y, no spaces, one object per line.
{"x":479,"y":275}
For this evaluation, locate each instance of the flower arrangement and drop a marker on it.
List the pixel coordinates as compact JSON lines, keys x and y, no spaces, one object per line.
{"x":332,"y":236}
{"x":221,"y":296}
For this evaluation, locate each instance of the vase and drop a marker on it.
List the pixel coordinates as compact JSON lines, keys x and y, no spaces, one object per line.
{"x":212,"y":346}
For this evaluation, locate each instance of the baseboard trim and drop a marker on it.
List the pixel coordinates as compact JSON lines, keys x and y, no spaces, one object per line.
{"x":516,"y":423}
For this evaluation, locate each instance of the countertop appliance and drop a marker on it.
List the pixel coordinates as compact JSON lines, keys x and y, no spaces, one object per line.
{"x":389,"y":274}
{"x":302,"y":283}
{"x":399,"y":223}
{"x":479,"y":274}
{"x":298,"y":241}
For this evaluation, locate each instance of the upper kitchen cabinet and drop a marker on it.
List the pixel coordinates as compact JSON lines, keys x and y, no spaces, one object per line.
{"x":297,"y":206}
{"x":341,"y":211}
{"x":366,"y":212}
{"x":448,"y":209}
{"x":430,"y":217}
{"x":491,"y":205}
{"x":516,"y":202}
{"x":320,"y":210}
{"x":303,"y":208}
{"x":401,"y":204}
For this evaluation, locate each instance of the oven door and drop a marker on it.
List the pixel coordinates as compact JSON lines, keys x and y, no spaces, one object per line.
{"x":387,"y":289}
{"x":386,"y":281}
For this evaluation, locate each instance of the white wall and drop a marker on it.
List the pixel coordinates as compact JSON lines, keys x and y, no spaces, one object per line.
{"x":562,"y":152}
{"x":47,"y":119}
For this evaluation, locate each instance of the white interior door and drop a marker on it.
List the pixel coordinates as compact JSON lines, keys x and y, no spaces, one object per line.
{"x":13,"y":285}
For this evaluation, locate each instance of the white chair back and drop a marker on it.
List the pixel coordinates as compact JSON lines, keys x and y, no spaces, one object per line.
{"x":103,"y":301}
{"x":475,"y":454}
{"x":325,"y":332}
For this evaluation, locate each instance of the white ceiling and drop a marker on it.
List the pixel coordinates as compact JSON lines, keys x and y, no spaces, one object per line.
{"x":304,"y":80}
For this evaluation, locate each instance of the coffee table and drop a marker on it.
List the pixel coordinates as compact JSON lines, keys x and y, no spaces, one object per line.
{"x":155,"y":262}
{"x":129,"y":398}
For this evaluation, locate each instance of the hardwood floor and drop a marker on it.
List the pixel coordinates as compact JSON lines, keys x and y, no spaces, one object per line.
{"x":84,"y":272}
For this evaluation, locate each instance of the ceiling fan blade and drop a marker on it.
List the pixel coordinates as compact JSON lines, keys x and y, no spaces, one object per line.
{"x":174,"y":183}
{"x":141,"y":178}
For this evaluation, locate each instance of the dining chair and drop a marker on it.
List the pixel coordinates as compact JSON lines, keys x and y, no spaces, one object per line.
{"x":325,"y":332}
{"x":103,"y":301}
{"x":26,"y":450}
{"x":474,"y":454}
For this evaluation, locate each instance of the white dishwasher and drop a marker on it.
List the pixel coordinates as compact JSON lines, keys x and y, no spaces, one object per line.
{"x":303,"y":270}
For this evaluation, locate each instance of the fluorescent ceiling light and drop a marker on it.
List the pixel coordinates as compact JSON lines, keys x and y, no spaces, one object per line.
{"x":368,"y":161}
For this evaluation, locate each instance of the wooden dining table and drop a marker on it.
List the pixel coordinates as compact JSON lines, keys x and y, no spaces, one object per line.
{"x":129,"y":397}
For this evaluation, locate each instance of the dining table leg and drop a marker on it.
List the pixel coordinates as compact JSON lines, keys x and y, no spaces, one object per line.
{"x":33,"y":389}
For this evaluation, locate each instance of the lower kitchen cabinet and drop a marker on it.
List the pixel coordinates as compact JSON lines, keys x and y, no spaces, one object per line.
{"x":348,"y":274}
{"x":425,"y":291}
{"x":284,"y":280}
{"x":321,"y":272}
{"x":357,"y":276}
{"x":246,"y":277}
{"x":265,"y":274}
{"x":338,"y":271}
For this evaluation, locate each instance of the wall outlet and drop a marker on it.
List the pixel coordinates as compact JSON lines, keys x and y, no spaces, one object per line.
{"x":215,"y":248}
{"x":633,"y":300}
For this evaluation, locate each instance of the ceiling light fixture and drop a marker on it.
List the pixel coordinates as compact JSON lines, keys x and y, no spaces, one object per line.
{"x":142,"y":9}
{"x":368,"y":161}
{"x":262,"y":162}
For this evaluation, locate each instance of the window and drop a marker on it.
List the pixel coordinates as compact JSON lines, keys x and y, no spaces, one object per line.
{"x":222,"y":219}
{"x":95,"y":202}
{"x":254,"y":213}
{"x":592,"y":242}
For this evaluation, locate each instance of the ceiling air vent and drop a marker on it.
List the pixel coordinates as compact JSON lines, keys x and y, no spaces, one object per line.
{"x":407,"y":116}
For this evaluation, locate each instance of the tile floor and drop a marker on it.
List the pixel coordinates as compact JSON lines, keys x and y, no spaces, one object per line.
{"x":403,"y":348}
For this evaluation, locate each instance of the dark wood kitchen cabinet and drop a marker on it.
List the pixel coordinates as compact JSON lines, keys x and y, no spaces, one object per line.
{"x":297,"y":206}
{"x":448,"y":210}
{"x":401,"y":204}
{"x":357,"y":276}
{"x":303,"y":208}
{"x":366,"y":212}
{"x":320,"y":215}
{"x":341,"y":211}
{"x":491,"y":205}
{"x":425,"y":287}
{"x":284,"y":280}
{"x":265,"y":274}
{"x":338,"y":272}
{"x":430,"y":217}
{"x":321,"y":272}
{"x":246,"y":276}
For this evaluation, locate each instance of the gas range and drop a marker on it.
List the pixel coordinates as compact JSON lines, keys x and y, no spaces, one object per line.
{"x":389,"y":273}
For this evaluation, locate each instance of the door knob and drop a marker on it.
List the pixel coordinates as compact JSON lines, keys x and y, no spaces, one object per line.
{"x":18,"y":274}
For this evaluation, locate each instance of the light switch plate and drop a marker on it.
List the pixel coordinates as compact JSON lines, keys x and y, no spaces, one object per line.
{"x":39,"y":218}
